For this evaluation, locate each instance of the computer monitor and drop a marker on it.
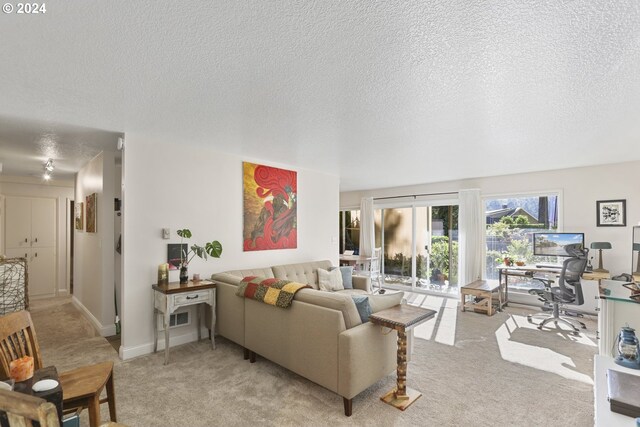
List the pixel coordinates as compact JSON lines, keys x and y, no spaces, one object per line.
{"x":554,"y":244}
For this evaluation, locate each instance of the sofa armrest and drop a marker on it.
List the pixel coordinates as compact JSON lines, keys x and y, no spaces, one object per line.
{"x":366,"y":354}
{"x":362,"y":282}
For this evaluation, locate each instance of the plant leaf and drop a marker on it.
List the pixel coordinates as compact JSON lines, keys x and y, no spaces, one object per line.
{"x":199,"y":251}
{"x":214,"y":249}
{"x":184,"y":233}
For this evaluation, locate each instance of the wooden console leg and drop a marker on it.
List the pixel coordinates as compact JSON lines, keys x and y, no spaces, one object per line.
{"x":348,"y":406}
{"x":246,"y":354}
{"x":252,"y":357}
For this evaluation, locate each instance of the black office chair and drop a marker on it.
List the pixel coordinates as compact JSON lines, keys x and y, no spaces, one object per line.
{"x":568,"y":291}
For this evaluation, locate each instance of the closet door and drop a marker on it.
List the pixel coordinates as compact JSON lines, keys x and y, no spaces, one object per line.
{"x":43,"y":223}
{"x":17,"y":223}
{"x":42,"y":272}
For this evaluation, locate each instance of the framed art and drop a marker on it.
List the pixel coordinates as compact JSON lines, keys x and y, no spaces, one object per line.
{"x":79,"y":216}
{"x":611,"y":213}
{"x":270,"y":208}
{"x":174,"y":254}
{"x":92,"y":207}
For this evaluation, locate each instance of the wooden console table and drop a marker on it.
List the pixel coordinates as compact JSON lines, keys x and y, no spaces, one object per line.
{"x":401,"y":318}
{"x":168,"y":298}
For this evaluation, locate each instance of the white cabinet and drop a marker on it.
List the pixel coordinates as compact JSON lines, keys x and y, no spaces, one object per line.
{"x":616,"y":310}
{"x":30,"y":225}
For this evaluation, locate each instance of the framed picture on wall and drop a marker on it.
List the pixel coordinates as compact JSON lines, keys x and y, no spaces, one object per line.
{"x":611,"y":213}
{"x":175,"y":252}
{"x":79,"y":216}
{"x":92,"y":206}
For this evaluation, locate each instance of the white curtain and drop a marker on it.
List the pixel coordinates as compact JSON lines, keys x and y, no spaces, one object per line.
{"x":471,"y":226}
{"x":367,"y":227}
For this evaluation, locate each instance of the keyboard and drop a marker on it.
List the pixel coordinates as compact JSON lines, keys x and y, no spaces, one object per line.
{"x":553,"y":266}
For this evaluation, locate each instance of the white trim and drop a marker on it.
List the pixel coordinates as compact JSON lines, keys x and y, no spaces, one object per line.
{"x":104,"y":331}
{"x":127,"y":353}
{"x":69,"y":215}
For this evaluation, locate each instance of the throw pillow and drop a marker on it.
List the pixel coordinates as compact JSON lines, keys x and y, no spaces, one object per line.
{"x":363,"y":307}
{"x":384,"y":301}
{"x":347,"y":276}
{"x":330,"y":280}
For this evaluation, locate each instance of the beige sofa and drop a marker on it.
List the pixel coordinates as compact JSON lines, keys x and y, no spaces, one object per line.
{"x":320,"y":337}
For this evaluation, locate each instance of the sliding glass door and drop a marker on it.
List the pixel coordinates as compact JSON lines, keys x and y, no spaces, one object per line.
{"x":420,"y":246}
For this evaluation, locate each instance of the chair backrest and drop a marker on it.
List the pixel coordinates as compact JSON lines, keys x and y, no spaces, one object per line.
{"x":22,"y":409}
{"x":18,"y":339}
{"x":374,"y":265}
{"x":572,"y":270}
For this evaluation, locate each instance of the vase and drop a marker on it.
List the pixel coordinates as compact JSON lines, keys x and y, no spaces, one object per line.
{"x":184,"y":275}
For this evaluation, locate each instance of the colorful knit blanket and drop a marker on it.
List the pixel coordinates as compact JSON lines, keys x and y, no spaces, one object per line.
{"x":269,"y":291}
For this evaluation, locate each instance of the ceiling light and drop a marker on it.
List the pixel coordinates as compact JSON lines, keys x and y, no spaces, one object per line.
{"x":48,"y":168}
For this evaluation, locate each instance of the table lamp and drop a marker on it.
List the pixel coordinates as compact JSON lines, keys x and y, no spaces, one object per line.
{"x":600,"y":246}
{"x":636,"y":247}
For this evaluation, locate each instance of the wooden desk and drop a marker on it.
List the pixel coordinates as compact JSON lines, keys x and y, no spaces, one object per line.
{"x":530,"y":271}
{"x":401,"y":318}
{"x":168,"y":298}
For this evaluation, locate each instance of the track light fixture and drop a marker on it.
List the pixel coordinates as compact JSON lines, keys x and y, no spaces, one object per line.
{"x":48,"y":168}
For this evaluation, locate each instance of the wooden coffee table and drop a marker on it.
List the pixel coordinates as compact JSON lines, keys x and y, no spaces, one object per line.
{"x":401,"y":318}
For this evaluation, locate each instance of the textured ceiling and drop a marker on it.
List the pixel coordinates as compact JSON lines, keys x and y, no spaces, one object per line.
{"x":26,"y":145}
{"x":380,"y":93}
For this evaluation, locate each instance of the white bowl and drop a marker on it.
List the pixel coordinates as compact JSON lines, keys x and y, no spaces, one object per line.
{"x":44,"y":385}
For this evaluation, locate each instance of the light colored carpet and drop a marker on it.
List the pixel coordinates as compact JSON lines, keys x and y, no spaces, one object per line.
{"x":463,"y":364}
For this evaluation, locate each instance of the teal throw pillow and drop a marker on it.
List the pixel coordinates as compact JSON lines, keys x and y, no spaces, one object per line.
{"x":347,"y":276}
{"x":363,"y":307}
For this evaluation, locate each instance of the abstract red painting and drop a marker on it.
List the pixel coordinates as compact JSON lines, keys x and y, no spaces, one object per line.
{"x":270,"y":208}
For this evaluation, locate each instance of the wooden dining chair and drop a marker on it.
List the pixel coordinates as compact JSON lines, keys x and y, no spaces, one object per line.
{"x":22,"y":410}
{"x":81,"y":387}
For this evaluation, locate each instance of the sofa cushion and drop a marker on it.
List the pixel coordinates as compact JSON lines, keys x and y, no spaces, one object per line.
{"x":332,"y":300}
{"x":329,"y":280}
{"x":235,"y":276}
{"x":383,"y":301}
{"x":304,"y":272}
{"x":347,"y":276}
{"x":363,"y":307}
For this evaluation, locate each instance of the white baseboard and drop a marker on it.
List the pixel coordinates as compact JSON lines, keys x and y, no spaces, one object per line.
{"x":62,"y":292}
{"x":104,"y":331}
{"x":141,"y":350}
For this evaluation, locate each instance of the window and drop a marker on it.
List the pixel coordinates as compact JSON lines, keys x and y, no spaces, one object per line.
{"x":510,"y":224}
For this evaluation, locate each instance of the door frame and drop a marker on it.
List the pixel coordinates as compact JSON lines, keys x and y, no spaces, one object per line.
{"x":413,"y":204}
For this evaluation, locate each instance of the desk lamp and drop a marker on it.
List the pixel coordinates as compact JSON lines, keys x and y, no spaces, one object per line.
{"x":600,"y":246}
{"x":636,"y":247}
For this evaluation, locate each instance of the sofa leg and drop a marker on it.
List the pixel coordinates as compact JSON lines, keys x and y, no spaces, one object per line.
{"x":252,"y":357}
{"x":348,"y":406}
{"x":246,"y":354}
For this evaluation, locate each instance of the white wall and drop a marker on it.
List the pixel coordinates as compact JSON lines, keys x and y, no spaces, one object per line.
{"x":581,"y":188}
{"x":61,"y":191}
{"x":93,"y":282}
{"x":180,"y":186}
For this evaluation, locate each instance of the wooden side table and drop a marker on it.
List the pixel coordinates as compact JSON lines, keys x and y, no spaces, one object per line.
{"x":481,"y":289}
{"x":168,"y":298}
{"x":401,"y":318}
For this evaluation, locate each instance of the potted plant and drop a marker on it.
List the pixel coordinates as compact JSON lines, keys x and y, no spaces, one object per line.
{"x":213,"y":249}
{"x":507,"y":260}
